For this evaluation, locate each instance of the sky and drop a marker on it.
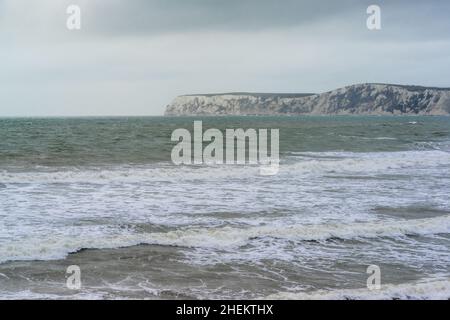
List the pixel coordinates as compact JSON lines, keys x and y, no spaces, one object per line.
{"x":133,"y":57}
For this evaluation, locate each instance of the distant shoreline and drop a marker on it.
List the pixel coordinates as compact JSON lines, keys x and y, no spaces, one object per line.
{"x":361,"y":99}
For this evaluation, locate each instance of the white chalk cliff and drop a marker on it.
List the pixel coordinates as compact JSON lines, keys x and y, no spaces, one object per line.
{"x":376,"y":99}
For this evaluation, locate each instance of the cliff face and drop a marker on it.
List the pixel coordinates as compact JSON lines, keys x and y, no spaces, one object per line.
{"x":376,"y":99}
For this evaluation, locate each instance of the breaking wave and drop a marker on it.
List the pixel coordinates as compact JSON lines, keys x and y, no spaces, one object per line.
{"x":315,"y":163}
{"x":58,"y":246}
{"x":430,"y":289}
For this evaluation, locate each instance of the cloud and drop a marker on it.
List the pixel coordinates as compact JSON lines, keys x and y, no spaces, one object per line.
{"x":114,"y":18}
{"x":133,"y":57}
{"x":160,"y":16}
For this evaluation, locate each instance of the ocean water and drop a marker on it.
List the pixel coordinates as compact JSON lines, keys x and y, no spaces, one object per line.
{"x":103,"y":194}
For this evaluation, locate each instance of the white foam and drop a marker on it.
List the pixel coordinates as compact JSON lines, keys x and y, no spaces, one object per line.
{"x":123,"y":174}
{"x":30,"y":295}
{"x":435,"y":289}
{"x":233,"y":237}
{"x":304,"y":163}
{"x":367,"y":163}
{"x":57,"y":246}
{"x":39,"y":221}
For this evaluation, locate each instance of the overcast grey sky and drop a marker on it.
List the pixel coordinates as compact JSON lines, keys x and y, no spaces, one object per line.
{"x":132,"y":57}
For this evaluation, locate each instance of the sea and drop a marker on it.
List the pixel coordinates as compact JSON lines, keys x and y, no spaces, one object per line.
{"x":103,"y":194}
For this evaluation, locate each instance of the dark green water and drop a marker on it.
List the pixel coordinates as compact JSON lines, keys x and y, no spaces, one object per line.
{"x":106,"y":141}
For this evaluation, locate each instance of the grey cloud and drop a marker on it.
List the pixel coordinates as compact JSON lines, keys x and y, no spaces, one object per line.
{"x":403,"y":20}
{"x":155,"y":16}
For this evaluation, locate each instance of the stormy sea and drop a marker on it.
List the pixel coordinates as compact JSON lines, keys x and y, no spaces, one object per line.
{"x":103,"y":194}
